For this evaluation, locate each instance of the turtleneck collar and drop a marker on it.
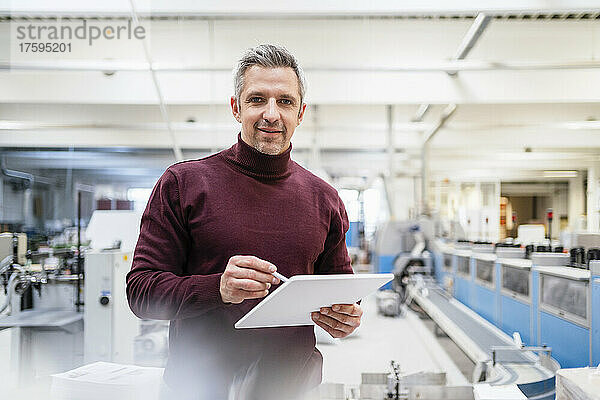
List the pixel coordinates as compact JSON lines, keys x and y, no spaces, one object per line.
{"x":256,"y":164}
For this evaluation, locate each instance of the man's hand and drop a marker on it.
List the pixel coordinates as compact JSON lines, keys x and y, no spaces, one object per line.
{"x":246,"y":277}
{"x":340,"y":320}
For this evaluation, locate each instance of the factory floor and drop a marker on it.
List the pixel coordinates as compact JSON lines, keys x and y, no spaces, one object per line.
{"x":407,"y":340}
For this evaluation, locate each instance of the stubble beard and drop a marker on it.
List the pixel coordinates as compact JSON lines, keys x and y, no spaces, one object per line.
{"x":271,"y":146}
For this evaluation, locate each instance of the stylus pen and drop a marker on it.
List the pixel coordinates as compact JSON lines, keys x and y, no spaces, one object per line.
{"x":279,"y":276}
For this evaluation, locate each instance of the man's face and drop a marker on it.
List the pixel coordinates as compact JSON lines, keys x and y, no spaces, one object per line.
{"x":269,"y":108}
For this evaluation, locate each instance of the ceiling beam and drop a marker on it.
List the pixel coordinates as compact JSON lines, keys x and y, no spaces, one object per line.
{"x":421,"y":111}
{"x":446,"y":114}
{"x":406,"y":67}
{"x":161,"y":100}
{"x":306,"y":8}
{"x":465,"y":47}
{"x":471,"y":38}
{"x":13,"y":125}
{"x":498,"y":87}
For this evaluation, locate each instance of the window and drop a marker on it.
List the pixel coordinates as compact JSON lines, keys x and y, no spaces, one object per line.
{"x":368,"y":207}
{"x":140,"y":197}
{"x":565,"y":294}
{"x":515,"y":280}
{"x":463,"y":265}
{"x":485,"y":270}
{"x":350,"y":199}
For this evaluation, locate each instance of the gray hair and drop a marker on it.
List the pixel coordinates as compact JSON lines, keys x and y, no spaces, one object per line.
{"x":267,"y":56}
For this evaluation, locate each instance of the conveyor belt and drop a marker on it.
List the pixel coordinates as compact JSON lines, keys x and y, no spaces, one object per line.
{"x":481,"y":335}
{"x":478,"y":337}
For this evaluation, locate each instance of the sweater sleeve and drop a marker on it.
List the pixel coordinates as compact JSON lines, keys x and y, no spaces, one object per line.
{"x":335,"y":259}
{"x":157,"y":286}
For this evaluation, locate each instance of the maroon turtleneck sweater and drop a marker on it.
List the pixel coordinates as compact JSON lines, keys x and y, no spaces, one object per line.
{"x":201,"y":213}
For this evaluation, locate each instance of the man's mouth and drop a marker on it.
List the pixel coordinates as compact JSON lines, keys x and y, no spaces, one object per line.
{"x":265,"y":130}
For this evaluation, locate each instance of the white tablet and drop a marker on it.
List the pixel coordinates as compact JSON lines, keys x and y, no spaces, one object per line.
{"x":292,"y":302}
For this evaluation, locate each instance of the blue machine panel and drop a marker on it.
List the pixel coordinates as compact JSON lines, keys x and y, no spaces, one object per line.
{"x":385,"y":264}
{"x":535,"y":306}
{"x":441,"y":278}
{"x":484,"y":302}
{"x":352,"y":236}
{"x":516,"y":317}
{"x":498,"y":293}
{"x":595,"y":320}
{"x":544,"y":390}
{"x":445,"y":270}
{"x":569,"y":342}
{"x":438,"y":263}
{"x":462,"y":288}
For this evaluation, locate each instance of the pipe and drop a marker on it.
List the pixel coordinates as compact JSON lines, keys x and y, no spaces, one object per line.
{"x":10,"y":173}
{"x":418,"y":127}
{"x":163,"y":107}
{"x":391,"y":150}
{"x":465,"y":47}
{"x":11,"y":284}
{"x":15,"y":174}
{"x":388,"y":197}
{"x":78,"y":302}
{"x":472,"y":36}
{"x":447,"y":113}
{"x":442,"y":66}
{"x":421,"y":111}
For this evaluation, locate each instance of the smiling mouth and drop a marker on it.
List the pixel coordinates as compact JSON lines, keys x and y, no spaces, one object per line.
{"x":268,"y":130}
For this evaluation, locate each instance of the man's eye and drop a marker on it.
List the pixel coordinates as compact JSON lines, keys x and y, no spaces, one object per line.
{"x":286,"y":101}
{"x":255,"y":99}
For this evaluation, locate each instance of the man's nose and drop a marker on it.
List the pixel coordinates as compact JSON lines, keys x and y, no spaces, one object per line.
{"x":271,"y":113}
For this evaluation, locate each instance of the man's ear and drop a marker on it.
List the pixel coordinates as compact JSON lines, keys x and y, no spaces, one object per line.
{"x":235,"y":109}
{"x":301,"y":113}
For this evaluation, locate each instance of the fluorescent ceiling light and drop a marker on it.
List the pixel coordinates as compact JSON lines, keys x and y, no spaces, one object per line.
{"x":560,"y":174}
{"x":579,"y":125}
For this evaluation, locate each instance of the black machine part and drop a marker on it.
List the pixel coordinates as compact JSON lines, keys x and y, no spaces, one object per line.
{"x":394,"y":393}
{"x":577,"y":257}
{"x":510,"y":245}
{"x":593,"y":254}
{"x":401,"y":278}
{"x":528,"y":250}
{"x":15,"y":243}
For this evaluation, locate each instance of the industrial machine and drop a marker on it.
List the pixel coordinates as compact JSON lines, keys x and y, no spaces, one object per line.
{"x":403,"y":249}
{"x":499,"y":359}
{"x":8,"y":241}
{"x":41,"y":307}
{"x":109,"y":325}
{"x":528,"y":309}
{"x":397,"y":385}
{"x":50,"y":328}
{"x":112,"y":332}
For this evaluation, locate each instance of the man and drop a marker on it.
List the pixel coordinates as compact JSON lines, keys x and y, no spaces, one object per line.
{"x":215,"y":229}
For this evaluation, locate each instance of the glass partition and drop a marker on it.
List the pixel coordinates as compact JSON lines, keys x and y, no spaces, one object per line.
{"x":463,"y":266}
{"x":485,"y":271}
{"x":515,"y":280}
{"x":565,"y":295}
